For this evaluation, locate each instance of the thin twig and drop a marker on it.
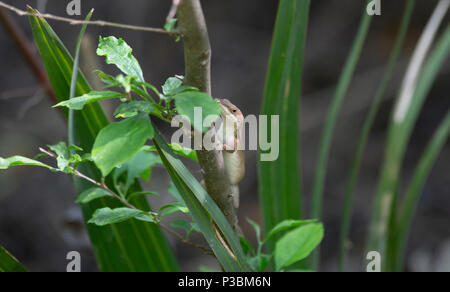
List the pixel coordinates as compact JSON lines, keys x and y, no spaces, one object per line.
{"x":103,"y":185}
{"x":82,"y":22}
{"x":205,"y":250}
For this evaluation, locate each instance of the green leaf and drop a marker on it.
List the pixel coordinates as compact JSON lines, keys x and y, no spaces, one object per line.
{"x":119,"y":142}
{"x":297,"y":244}
{"x":260,"y":263}
{"x":410,"y":201}
{"x":256,"y":228}
{"x":127,"y":246}
{"x":174,"y":192}
{"x":133,"y":108}
{"x":62,"y":156}
{"x":173,"y":208}
{"x":182,"y":224}
{"x":9,"y":263}
{"x":20,"y":161}
{"x":78,"y":103}
{"x":285,"y":225}
{"x":185,"y":103}
{"x":170,"y":25}
{"x":119,"y":53}
{"x":280,"y":181}
{"x":135,"y":194}
{"x":139,"y":166}
{"x":246,"y":246}
{"x":178,"y":149}
{"x":203,"y":210}
{"x":92,"y":194}
{"x":172,"y":83}
{"x":106,"y":216}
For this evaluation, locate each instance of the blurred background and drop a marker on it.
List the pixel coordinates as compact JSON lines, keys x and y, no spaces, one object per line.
{"x":39,"y":221}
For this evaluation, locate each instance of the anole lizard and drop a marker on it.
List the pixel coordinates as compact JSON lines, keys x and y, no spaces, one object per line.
{"x":230,"y":136}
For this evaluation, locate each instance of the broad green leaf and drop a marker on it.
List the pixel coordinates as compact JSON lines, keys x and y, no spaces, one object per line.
{"x":133,"y":108}
{"x":285,"y":225}
{"x":19,"y":161}
{"x":203,"y":210}
{"x":297,"y":244}
{"x":9,"y":263}
{"x":172,"y":83}
{"x":106,"y":216}
{"x":280,"y":181}
{"x":119,"y":53}
{"x":139,"y":166}
{"x":92,"y":194}
{"x":186,"y":102}
{"x":78,"y":103}
{"x":119,"y":142}
{"x":127,"y":246}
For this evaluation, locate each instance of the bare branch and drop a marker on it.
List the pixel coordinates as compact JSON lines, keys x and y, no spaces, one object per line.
{"x":82,"y":22}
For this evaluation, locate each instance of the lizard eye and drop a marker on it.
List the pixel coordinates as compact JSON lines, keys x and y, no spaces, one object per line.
{"x":234,"y":110}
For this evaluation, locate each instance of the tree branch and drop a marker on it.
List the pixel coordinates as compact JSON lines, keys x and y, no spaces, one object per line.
{"x":197,"y":51}
{"x":82,"y":22}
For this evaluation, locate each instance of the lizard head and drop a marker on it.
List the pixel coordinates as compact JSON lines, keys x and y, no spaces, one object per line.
{"x":229,"y":110}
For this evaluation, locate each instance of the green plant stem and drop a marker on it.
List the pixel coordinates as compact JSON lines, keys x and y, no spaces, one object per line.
{"x":327,"y":136}
{"x":368,"y":123}
{"x":410,"y":201}
{"x":405,"y":114}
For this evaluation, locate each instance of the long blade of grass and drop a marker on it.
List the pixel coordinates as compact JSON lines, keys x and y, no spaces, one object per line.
{"x":280,"y":180}
{"x":404,"y":117}
{"x":367,"y":126}
{"x":8,"y":263}
{"x":203,"y":209}
{"x":409,"y":203}
{"x":127,"y":246}
{"x":327,"y":136}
